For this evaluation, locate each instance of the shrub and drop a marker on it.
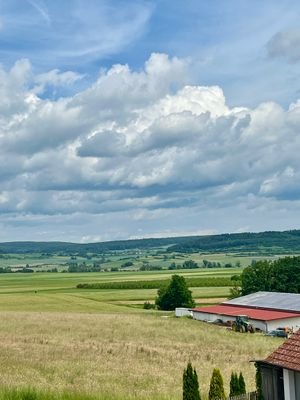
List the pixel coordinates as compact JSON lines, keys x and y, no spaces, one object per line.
{"x":148,"y":305}
{"x":127,"y":264}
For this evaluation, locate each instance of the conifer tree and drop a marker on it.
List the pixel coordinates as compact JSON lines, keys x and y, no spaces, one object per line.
{"x":190,"y":384}
{"x":258,"y":379}
{"x":216,"y":388}
{"x":242,"y":384}
{"x":234,"y":385}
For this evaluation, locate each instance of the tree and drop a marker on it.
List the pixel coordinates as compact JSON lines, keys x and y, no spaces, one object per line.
{"x":286,"y":275}
{"x":242,"y":384}
{"x":172,"y":266}
{"x":190,"y":264}
{"x":256,"y":277}
{"x":282,"y":275}
{"x":176,"y":294}
{"x":234,"y":385}
{"x":216,"y":388}
{"x":235,"y":291}
{"x":190,"y":386}
{"x":258,"y":379}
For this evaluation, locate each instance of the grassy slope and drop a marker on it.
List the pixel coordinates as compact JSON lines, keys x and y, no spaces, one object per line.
{"x":120,"y":355}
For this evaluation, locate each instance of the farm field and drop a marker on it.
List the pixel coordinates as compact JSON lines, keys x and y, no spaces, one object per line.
{"x":155,"y":257}
{"x":103,"y":343}
{"x":120,"y":355}
{"x":58,"y":292}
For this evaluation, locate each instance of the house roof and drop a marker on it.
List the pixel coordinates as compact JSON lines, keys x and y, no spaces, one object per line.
{"x":270,"y":300}
{"x":253,"y":313}
{"x":288,"y":354}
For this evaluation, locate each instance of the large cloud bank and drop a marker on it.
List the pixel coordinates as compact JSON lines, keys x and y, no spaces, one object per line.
{"x":142,"y":142}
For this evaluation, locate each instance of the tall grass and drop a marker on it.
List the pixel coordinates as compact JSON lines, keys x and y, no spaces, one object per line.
{"x":119,"y":356}
{"x":30,"y":393}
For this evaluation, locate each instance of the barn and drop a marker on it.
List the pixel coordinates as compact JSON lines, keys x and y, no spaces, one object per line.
{"x":267,"y":311}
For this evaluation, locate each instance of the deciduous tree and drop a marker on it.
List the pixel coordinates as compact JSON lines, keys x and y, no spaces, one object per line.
{"x":176,"y":294}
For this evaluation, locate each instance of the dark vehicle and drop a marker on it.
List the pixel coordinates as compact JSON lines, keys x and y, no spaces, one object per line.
{"x":277,"y":333}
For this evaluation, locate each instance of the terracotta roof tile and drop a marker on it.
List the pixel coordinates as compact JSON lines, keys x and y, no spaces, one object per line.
{"x":253,"y":313}
{"x":288,"y":354}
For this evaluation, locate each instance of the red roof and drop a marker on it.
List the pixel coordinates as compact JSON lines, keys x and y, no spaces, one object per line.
{"x":253,"y":313}
{"x":288,"y":354}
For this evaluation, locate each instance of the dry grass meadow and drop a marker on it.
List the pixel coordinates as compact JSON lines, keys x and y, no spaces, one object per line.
{"x":120,"y":355}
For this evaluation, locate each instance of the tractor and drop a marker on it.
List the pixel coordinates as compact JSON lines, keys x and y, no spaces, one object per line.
{"x":242,"y":324}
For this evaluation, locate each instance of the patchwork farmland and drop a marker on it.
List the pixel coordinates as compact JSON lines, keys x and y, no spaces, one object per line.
{"x":99,"y":341}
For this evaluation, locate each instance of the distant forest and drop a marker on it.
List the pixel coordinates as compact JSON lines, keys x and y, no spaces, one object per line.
{"x":261,"y":243}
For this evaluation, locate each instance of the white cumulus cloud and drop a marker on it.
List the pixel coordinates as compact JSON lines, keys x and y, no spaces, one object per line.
{"x":142,"y":143}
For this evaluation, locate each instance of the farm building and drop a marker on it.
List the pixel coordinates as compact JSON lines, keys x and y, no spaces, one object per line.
{"x":266,"y":310}
{"x":280,"y":371}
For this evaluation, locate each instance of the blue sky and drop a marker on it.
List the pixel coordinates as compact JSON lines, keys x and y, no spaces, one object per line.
{"x":148,"y":118}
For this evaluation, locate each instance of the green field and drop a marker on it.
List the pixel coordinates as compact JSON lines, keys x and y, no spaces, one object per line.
{"x":57,"y":291}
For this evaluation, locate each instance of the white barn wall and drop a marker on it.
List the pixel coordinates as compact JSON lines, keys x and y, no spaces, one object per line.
{"x":262,"y":325}
{"x":293,"y":323}
{"x":183,"y":312}
{"x":265,"y":326}
{"x":212,"y":317}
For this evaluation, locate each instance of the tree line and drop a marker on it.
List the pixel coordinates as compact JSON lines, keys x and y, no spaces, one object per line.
{"x":282,"y":275}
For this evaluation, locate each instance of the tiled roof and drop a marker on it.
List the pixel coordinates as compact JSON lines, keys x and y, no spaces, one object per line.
{"x":288,"y":354}
{"x":253,"y":313}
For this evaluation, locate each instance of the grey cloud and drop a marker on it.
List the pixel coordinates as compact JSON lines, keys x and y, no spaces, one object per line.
{"x":286,"y":45}
{"x":103,"y":144}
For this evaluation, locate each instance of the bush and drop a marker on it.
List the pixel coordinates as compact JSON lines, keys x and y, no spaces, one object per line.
{"x":127,"y":264}
{"x":148,"y":305}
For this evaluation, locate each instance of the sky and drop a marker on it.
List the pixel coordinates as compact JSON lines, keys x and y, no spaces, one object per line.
{"x":128,"y":119}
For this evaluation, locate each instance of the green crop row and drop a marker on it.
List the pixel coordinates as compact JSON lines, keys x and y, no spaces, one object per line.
{"x":155,"y":284}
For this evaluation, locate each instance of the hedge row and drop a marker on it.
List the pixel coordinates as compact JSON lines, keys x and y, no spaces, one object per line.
{"x":155,"y":284}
